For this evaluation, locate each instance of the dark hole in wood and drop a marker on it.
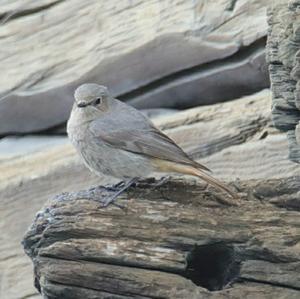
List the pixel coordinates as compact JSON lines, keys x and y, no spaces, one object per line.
{"x":212,"y":266}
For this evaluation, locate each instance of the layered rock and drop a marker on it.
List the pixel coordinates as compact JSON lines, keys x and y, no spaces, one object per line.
{"x":283,"y":57}
{"x":151,"y":53}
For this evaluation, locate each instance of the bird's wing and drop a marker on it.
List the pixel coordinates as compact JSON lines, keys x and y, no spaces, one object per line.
{"x":147,"y":141}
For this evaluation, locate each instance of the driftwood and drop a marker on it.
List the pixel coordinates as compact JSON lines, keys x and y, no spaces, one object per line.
{"x":177,"y":240}
{"x":152,"y":54}
{"x":283,"y":56}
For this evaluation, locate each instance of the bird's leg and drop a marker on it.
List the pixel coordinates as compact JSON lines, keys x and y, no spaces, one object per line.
{"x":115,"y":187}
{"x":161,"y":181}
{"x":112,"y":198}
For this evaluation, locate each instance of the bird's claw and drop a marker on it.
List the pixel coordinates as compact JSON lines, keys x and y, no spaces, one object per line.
{"x":115,"y":187}
{"x":111,"y":201}
{"x":121,"y":187}
{"x":161,"y":181}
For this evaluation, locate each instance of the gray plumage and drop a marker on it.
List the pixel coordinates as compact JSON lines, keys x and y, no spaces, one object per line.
{"x":115,"y":139}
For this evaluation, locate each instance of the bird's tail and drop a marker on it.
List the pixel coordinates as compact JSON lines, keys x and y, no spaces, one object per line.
{"x":166,"y":166}
{"x":190,"y":170}
{"x":213,"y":181}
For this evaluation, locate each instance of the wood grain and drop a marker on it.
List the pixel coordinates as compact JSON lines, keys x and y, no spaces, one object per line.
{"x":174,"y":241}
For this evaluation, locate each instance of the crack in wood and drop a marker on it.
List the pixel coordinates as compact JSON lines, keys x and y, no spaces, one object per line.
{"x":119,"y":296}
{"x":279,"y":285}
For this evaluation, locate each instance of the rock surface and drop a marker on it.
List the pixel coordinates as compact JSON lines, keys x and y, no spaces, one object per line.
{"x":16,"y":146}
{"x":283,"y":57}
{"x":243,"y":146}
{"x":150,"y":53}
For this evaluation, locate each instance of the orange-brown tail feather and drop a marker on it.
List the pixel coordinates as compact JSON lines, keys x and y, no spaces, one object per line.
{"x":213,"y":181}
{"x":204,"y":176}
{"x":166,"y":166}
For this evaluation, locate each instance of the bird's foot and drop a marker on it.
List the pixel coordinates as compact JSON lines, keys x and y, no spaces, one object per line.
{"x":111,"y":200}
{"x":161,"y":181}
{"x":116,"y":187}
{"x":119,"y":188}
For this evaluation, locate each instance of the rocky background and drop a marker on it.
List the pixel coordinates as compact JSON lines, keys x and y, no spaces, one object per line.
{"x":153,"y":54}
{"x":284,"y":57}
{"x":162,"y":57}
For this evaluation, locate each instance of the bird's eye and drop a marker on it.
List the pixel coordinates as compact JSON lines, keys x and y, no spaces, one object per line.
{"x":98,"y":101}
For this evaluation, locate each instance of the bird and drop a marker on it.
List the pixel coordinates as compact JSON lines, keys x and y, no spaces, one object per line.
{"x":117,"y":140}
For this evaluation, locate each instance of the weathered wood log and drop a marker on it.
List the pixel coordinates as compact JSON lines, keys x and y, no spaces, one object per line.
{"x":177,"y":240}
{"x":283,"y":56}
{"x":153,"y":54}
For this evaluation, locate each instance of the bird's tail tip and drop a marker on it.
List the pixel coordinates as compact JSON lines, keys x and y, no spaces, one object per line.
{"x":214,"y":182}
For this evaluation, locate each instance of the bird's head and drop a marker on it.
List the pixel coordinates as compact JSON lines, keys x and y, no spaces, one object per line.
{"x":92,"y":99}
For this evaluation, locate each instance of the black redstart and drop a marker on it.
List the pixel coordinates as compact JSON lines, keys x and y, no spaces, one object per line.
{"x":115,"y":139}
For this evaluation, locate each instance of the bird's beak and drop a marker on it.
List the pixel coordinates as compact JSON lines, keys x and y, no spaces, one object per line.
{"x":82,"y":104}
